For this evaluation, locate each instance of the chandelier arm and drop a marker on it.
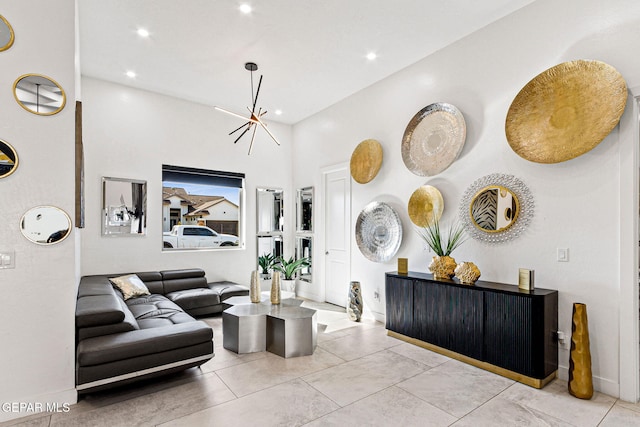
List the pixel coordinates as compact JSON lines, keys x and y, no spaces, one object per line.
{"x":235,"y":114}
{"x":253,"y":136}
{"x":255,"y":100}
{"x":242,"y":134}
{"x":236,"y":130}
{"x":267,"y":130}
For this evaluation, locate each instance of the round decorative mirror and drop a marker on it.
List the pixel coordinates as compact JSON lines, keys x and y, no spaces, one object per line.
{"x":39,"y":94}
{"x":496,"y":208}
{"x":6,"y":34}
{"x":8,"y":159}
{"x":45,"y":225}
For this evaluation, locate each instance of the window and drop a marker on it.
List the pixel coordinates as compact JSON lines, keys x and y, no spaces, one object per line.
{"x":202,"y":209}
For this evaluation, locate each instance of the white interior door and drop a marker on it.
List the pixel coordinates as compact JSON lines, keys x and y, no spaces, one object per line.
{"x":337,"y":214}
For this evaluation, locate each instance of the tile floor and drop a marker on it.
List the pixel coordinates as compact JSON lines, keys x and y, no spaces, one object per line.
{"x":357,"y":376}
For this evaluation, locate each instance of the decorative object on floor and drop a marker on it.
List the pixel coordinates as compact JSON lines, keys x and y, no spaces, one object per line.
{"x":580,"y":379}
{"x":45,"y":225}
{"x":254,"y":287}
{"x":425,"y":204}
{"x":403,"y":266}
{"x":39,"y":94}
{"x":124,"y":207}
{"x":467,"y":272}
{"x":354,"y":310}
{"x":275,"y":287}
{"x":7,"y":36}
{"x":8,"y":159}
{"x":525,"y":279}
{"x":255,"y":117}
{"x":266,"y":262}
{"x":366,"y":161}
{"x":378,"y":232}
{"x":433,"y":139}
{"x":442,"y":265}
{"x":565,"y":111}
{"x":496,"y":208}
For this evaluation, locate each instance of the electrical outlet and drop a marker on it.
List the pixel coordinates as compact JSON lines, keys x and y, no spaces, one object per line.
{"x":563,"y":255}
{"x":8,"y":259}
{"x":563,"y":341}
{"x":376,"y":295}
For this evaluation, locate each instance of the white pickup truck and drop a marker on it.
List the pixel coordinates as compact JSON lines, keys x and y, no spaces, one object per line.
{"x":196,"y":236}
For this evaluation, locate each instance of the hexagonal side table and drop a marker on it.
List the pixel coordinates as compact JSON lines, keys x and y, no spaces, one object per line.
{"x":244,"y":328}
{"x":291,"y":331}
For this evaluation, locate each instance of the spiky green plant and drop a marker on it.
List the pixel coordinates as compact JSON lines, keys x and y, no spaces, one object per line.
{"x":266,"y":262}
{"x":433,"y":237}
{"x":290,"y":267}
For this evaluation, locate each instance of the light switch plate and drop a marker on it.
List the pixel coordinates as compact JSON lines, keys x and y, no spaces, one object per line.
{"x":563,"y":255}
{"x":7,"y":259}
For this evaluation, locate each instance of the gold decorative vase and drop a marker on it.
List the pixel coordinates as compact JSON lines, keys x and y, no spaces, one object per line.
{"x":580,"y":379}
{"x":254,"y":288}
{"x":275,"y":288}
{"x":467,"y":272}
{"x":442,"y":267}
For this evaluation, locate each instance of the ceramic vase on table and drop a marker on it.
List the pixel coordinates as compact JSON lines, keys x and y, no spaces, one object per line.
{"x":580,"y":378}
{"x":275,"y":288}
{"x":289,"y":285}
{"x":254,"y":288}
{"x":442,"y":267}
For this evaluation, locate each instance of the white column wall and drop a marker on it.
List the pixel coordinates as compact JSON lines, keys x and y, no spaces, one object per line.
{"x":576,"y":202}
{"x":38,"y":296}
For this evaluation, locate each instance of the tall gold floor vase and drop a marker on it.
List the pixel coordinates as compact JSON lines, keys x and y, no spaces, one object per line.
{"x":580,"y":379}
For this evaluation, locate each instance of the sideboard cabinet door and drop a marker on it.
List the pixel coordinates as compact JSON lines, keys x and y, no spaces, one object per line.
{"x":399,"y":303}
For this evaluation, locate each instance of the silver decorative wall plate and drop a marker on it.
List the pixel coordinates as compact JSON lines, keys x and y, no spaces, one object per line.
{"x":378,"y":232}
{"x":496,"y":208}
{"x":433,"y":139}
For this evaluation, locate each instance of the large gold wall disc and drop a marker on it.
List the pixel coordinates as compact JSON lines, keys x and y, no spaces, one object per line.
{"x":565,"y":111}
{"x":366,"y":161}
{"x":425,"y":204}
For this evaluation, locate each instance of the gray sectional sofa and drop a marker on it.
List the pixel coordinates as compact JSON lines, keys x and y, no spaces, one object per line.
{"x":120,"y":341}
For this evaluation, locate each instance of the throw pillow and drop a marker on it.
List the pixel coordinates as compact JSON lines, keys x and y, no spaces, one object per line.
{"x":130,"y":285}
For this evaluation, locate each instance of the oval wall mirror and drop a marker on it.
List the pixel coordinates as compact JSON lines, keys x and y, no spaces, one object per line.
{"x":6,"y":34}
{"x":39,"y":94}
{"x":8,"y":159}
{"x":45,"y":225}
{"x":494,"y":208}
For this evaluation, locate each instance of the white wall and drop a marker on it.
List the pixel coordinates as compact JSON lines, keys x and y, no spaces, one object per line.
{"x":130,"y":133}
{"x":38,"y":296}
{"x":576,"y":202}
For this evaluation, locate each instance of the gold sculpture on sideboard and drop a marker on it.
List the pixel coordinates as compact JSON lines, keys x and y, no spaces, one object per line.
{"x":580,"y":379}
{"x":467,"y":272}
{"x":254,"y":289}
{"x":275,"y":288}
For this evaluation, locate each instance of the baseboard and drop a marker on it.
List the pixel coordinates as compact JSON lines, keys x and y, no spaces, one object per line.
{"x":309,"y":295}
{"x":46,"y":403}
{"x":601,"y":385}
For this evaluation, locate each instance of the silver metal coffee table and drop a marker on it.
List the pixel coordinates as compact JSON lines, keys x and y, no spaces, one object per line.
{"x":285,"y":329}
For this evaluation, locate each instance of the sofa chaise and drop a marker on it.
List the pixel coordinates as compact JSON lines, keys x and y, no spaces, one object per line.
{"x":121,"y":340}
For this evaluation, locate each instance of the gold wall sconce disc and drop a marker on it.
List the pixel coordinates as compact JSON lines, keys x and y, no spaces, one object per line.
{"x":425,"y":205}
{"x":366,"y":161}
{"x":7,"y":36}
{"x":39,"y":94}
{"x":565,"y":111}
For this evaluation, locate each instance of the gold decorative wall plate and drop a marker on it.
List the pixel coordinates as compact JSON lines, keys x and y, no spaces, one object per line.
{"x":565,"y":111}
{"x":425,"y":204}
{"x":433,"y":139}
{"x":7,"y":36}
{"x":366,"y":161}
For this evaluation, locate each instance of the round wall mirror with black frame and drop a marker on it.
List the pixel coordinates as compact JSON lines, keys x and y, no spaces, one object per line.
{"x":8,"y":159}
{"x":7,"y":36}
{"x":39,"y":94}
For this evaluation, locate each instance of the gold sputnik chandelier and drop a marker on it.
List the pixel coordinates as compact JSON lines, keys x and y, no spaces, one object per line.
{"x":255,"y":118}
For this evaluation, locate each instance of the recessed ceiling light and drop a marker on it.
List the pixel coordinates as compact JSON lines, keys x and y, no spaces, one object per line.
{"x":131,"y":74}
{"x":278,"y":112}
{"x":245,"y":8}
{"x":143,"y":33}
{"x":371,"y":56}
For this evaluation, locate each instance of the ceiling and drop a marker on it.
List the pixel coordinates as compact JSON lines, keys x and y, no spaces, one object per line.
{"x":312,"y":53}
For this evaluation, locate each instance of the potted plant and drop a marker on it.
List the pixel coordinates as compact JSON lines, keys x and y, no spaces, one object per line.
{"x":442,"y":264}
{"x":266,"y":263}
{"x":289,"y":268}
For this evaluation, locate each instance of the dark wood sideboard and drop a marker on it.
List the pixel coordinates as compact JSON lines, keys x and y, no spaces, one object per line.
{"x":493,"y":326}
